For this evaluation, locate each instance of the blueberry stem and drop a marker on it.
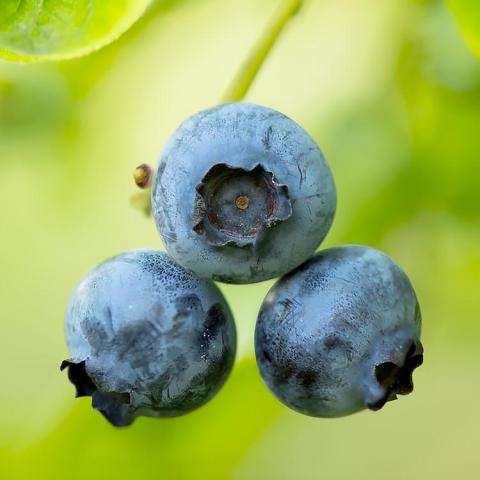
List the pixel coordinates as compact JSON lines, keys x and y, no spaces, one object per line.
{"x":236,"y":92}
{"x":260,"y":51}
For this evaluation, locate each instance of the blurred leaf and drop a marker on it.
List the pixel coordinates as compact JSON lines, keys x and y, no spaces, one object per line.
{"x":467,"y":15}
{"x":32,"y":30}
{"x":32,"y":104}
{"x":446,"y":59}
{"x":206,"y":444}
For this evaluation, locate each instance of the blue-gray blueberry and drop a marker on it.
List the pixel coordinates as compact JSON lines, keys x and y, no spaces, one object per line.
{"x":340,"y":333}
{"x":147,"y":337}
{"x":242,"y":194}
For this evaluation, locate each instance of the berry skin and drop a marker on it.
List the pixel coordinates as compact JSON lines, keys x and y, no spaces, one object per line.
{"x":340,"y":333}
{"x":147,"y":337}
{"x":242,"y":194}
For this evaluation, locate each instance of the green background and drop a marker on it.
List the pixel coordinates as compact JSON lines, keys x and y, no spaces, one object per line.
{"x":392,"y":95}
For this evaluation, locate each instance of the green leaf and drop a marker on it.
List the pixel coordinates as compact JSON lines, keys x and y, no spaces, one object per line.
{"x":32,"y":30}
{"x":467,"y":15}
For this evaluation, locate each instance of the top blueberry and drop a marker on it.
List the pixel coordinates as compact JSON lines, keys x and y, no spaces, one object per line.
{"x":242,"y":194}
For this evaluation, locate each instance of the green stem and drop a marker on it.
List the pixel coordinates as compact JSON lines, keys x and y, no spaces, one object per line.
{"x":259,"y":53}
{"x":241,"y":82}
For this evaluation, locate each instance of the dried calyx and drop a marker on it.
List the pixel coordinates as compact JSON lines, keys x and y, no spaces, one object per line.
{"x":234,"y":206}
{"x":397,"y":379}
{"x":114,"y":406}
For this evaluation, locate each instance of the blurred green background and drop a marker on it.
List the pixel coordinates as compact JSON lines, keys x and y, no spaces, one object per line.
{"x":392,"y":95}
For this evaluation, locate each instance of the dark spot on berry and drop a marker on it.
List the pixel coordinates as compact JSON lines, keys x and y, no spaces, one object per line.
{"x":307,"y":377}
{"x":215,"y":320}
{"x":214,"y":323}
{"x":266,"y":355}
{"x":188,"y":302}
{"x":266,"y":138}
{"x":331,"y":342}
{"x":284,"y":371}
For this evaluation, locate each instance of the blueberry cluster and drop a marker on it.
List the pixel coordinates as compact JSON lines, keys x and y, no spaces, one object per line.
{"x":242,"y":194}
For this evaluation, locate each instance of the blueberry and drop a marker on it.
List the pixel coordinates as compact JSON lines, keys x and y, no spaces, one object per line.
{"x":242,"y":194}
{"x":340,"y":333}
{"x":147,"y":337}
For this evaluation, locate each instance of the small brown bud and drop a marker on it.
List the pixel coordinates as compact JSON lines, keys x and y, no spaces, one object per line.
{"x":143,"y":176}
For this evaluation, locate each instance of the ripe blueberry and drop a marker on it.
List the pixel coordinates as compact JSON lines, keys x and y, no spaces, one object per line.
{"x":242,"y":194}
{"x":340,"y":333}
{"x":147,"y":337}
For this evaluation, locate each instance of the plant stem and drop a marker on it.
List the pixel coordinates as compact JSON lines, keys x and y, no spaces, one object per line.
{"x":237,"y":90}
{"x":259,"y":53}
